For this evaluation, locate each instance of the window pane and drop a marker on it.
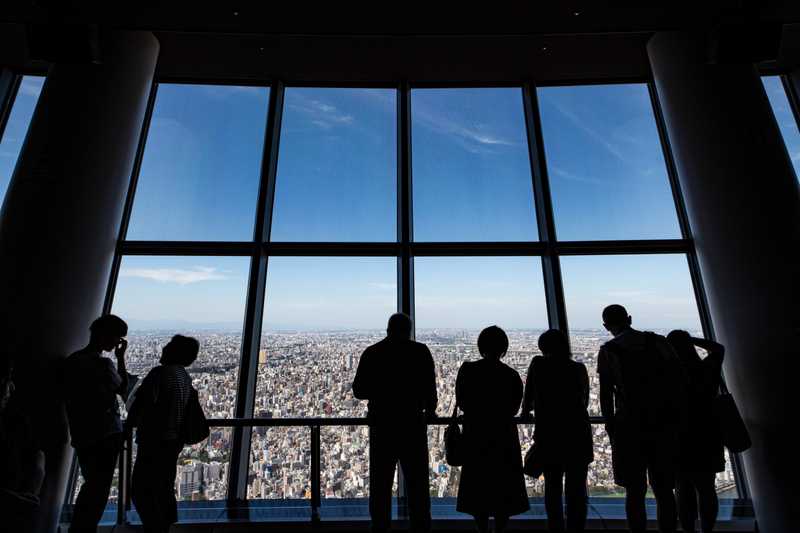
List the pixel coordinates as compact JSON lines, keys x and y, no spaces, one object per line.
{"x":471,"y":168}
{"x":17,"y":127}
{"x":657,"y":292}
{"x":202,"y":161}
{"x":785,"y":118}
{"x":606,"y":167}
{"x":457,"y":297}
{"x":203,"y":297}
{"x":337,"y":166}
{"x":280,"y":464}
{"x":320,"y":314}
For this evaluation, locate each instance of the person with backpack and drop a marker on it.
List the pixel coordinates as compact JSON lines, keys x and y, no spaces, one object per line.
{"x":702,"y":454}
{"x":642,"y":398}
{"x":160,"y":412}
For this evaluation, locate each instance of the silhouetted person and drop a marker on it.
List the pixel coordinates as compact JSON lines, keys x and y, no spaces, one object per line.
{"x":642,"y":390}
{"x":489,"y":393}
{"x":702,"y":451}
{"x":158,"y":414}
{"x":397,"y":376}
{"x":92,"y":384}
{"x":21,"y":460}
{"x":557,"y":391}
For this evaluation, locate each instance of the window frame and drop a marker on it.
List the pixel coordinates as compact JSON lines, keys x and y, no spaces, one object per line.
{"x":404,"y":248}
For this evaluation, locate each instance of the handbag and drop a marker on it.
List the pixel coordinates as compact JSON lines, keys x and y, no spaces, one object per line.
{"x":533,"y":466}
{"x":734,"y":433}
{"x":195,"y":425}
{"x":454,"y":442}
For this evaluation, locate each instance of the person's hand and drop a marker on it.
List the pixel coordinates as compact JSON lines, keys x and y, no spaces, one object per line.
{"x":119,"y":351}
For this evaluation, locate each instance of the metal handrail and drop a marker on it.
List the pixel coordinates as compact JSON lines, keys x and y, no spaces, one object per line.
{"x":314,"y":425}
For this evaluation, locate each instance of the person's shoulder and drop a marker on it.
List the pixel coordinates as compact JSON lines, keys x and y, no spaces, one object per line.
{"x":577,"y":365}
{"x":419,"y":346}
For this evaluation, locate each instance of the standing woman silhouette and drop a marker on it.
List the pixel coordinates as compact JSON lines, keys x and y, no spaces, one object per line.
{"x":557,"y":391}
{"x":489,"y":392}
{"x":701,"y":451}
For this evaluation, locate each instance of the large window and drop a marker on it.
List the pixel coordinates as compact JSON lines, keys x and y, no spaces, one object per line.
{"x":16,"y":126}
{"x":785,"y":117}
{"x":283,"y":225}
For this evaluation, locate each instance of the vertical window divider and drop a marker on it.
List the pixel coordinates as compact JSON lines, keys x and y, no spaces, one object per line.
{"x":791,"y":86}
{"x":256,"y":295}
{"x":551,"y":266}
{"x":405,"y":222}
{"x":9,"y":86}
{"x":742,"y":485}
{"x":405,"y":235}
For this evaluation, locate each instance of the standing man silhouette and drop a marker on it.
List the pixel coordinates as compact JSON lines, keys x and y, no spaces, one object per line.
{"x":642,"y":395}
{"x":92,"y":383}
{"x":397,"y":377}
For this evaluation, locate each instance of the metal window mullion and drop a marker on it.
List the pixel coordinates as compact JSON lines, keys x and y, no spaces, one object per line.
{"x":405,"y":236}
{"x":551,"y":266}
{"x":701,"y":299}
{"x":405,"y":225}
{"x":9,"y":86}
{"x":256,"y":296}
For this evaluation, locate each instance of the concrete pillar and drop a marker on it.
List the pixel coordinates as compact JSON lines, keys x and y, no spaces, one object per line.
{"x":743,"y":204}
{"x":59,"y":225}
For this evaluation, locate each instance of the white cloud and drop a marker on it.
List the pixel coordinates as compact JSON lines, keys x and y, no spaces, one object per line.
{"x":571,"y":176}
{"x":474,"y":138}
{"x":179,"y":276}
{"x":321,"y":114}
{"x":612,"y":148}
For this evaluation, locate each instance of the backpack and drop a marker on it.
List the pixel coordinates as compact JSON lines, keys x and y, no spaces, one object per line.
{"x":651,"y":385}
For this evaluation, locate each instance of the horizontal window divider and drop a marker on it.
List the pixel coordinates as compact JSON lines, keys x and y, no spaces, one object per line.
{"x":477,"y":248}
{"x":342,"y":421}
{"x":349,"y":249}
{"x":243,"y":248}
{"x":392,"y":249}
{"x":662,"y":246}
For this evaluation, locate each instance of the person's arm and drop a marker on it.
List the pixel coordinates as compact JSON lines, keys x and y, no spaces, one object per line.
{"x":431,"y":396}
{"x":716,"y":351}
{"x":606,"y":391}
{"x":516,"y":394}
{"x":528,"y":396}
{"x":124,"y":378}
{"x":461,"y":399}
{"x":363,"y":380}
{"x":584,"y":377}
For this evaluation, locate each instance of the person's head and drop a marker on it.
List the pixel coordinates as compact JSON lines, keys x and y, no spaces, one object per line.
{"x":553,"y":343}
{"x":493,"y":343}
{"x":6,"y":380}
{"x":180,"y":350}
{"x":616,"y":318}
{"x":107,"y":331}
{"x":399,"y":326}
{"x":682,"y":343}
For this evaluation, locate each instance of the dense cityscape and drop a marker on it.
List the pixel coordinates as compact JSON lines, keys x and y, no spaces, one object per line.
{"x":309,"y":374}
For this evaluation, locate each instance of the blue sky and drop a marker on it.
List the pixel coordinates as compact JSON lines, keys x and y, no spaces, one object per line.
{"x":784,"y":117}
{"x":17,"y":127}
{"x":336,"y":181}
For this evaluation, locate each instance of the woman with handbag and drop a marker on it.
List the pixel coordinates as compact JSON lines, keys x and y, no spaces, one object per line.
{"x":701,"y":452}
{"x":160,"y":413}
{"x":557,"y":391}
{"x":489,"y":393}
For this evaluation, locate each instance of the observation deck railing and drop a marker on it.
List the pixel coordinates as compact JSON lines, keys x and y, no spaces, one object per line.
{"x":314,"y":425}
